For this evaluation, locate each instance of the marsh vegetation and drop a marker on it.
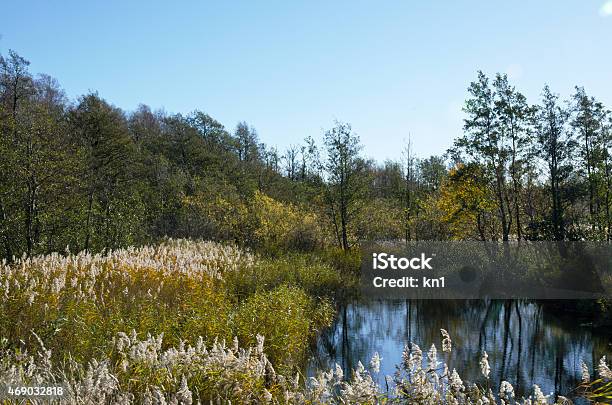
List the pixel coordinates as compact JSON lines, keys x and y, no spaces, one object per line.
{"x":149,"y":312}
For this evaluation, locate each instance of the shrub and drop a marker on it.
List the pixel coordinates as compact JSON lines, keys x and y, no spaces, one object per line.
{"x":288,"y":317}
{"x":280,"y":226}
{"x":380,"y":219}
{"x":347,"y":262}
{"x":215,"y":215}
{"x":307,"y":271}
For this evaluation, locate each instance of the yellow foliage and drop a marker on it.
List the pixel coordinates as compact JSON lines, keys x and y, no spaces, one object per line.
{"x":465,"y":202}
{"x":281,"y":225}
{"x":220,"y":217}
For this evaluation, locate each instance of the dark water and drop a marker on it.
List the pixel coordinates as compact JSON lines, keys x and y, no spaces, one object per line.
{"x":526,"y":345}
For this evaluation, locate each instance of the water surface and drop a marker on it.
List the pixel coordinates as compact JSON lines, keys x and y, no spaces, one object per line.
{"x":526,"y":344}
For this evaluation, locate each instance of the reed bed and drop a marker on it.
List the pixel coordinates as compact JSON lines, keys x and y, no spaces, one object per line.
{"x":184,"y":322}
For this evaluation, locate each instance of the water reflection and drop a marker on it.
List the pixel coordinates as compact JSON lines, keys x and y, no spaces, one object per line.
{"x":525,"y":344}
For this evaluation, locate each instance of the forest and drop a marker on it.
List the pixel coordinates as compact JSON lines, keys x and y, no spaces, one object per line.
{"x":173,"y":225}
{"x":86,"y":175}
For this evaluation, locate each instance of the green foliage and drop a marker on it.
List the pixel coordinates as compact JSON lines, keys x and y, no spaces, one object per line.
{"x":216,"y":211}
{"x":346,"y":262}
{"x":286,"y":315}
{"x":87,"y":175}
{"x":311,"y":273}
{"x":380,"y":219}
{"x":347,"y":177}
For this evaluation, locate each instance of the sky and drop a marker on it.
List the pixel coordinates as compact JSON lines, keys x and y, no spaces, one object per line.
{"x":393,"y":69}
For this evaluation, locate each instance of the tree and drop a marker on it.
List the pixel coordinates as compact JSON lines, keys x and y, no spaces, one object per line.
{"x":209,"y":128}
{"x":107,"y":153}
{"x":514,"y":116}
{"x":409,"y":188}
{"x":144,"y":126}
{"x":272,"y":160}
{"x":15,"y":87}
{"x":46,"y":160}
{"x":588,"y":123}
{"x":35,"y":146}
{"x":483,"y":142}
{"x":291,"y":162}
{"x":607,"y":161}
{"x":247,"y":142}
{"x":555,"y":149}
{"x":345,"y":178}
{"x":466,"y":204}
{"x":432,"y":171}
{"x":15,"y":80}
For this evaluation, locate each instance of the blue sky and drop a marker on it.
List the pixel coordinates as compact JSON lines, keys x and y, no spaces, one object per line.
{"x":390,"y":68}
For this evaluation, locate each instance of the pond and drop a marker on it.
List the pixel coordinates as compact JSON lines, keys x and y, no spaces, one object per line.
{"x":526,"y":345}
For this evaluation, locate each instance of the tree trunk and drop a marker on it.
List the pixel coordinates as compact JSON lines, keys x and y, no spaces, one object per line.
{"x":590,"y":178}
{"x":7,"y":243}
{"x":343,"y":221}
{"x":516,"y":190}
{"x":88,"y":222}
{"x":500,"y":203}
{"x":608,"y":202}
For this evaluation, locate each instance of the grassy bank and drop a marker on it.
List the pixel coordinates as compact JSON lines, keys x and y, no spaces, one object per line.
{"x":77,"y":304}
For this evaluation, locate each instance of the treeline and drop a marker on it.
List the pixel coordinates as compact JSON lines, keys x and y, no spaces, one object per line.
{"x":86,"y":175}
{"x":537,"y":172}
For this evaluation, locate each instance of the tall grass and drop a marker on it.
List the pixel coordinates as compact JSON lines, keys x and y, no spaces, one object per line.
{"x":77,"y":303}
{"x":144,"y":371}
{"x":184,"y":322}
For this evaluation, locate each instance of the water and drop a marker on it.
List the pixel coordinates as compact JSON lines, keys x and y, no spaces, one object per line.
{"x":526,"y":345}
